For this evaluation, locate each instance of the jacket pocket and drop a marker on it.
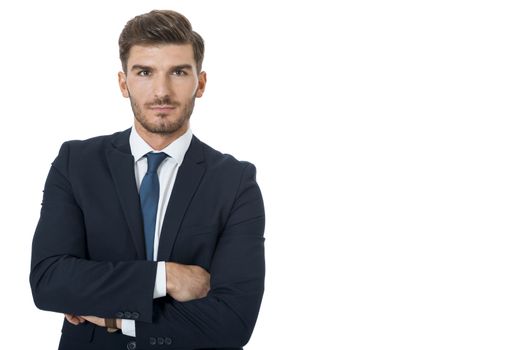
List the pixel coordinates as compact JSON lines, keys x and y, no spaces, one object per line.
{"x":199,"y":229}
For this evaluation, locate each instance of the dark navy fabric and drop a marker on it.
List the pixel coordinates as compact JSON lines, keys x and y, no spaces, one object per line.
{"x":89,"y":254}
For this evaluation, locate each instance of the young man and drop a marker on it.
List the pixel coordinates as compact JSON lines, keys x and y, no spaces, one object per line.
{"x":149,"y":237}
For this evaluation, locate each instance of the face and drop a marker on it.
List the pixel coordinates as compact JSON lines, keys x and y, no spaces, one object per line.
{"x":162,"y":83}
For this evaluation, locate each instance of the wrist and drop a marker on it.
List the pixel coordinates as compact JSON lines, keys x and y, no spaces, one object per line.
{"x":170,"y":277}
{"x":112,"y":325}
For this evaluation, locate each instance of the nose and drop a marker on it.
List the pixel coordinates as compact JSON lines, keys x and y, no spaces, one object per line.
{"x":162,"y":86}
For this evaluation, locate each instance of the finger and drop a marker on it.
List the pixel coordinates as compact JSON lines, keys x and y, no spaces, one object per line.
{"x":72,"y":319}
{"x":95,"y":320}
{"x":88,"y":318}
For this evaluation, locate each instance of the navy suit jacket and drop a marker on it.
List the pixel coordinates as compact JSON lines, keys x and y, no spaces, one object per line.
{"x":88,"y":253}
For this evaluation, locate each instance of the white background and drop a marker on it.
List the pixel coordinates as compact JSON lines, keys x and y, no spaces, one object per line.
{"x":388,"y":138}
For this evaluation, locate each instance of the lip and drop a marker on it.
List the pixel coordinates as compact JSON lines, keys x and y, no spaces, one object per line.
{"x":162,"y":108}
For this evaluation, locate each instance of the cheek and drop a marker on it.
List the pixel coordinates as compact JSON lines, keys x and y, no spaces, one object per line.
{"x":139,"y":93}
{"x":186,"y":87}
{"x":138,"y":87}
{"x":190,"y":90}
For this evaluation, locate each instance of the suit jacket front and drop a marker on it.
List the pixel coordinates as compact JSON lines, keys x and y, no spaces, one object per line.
{"x":88,"y":254}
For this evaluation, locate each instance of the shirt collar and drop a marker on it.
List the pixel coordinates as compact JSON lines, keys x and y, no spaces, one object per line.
{"x":176,"y":150}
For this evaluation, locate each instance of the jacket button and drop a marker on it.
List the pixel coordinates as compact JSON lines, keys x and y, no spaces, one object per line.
{"x":167,"y":341}
{"x":119,"y":314}
{"x":135,"y":315}
{"x":160,"y":341}
{"x":152,"y":341}
{"x":131,"y":345}
{"x":127,"y":315}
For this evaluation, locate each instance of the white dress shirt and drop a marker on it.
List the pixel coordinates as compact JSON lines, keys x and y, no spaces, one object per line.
{"x":167,"y":172}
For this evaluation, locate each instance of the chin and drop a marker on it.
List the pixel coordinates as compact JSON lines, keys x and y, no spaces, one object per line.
{"x":164,"y":128}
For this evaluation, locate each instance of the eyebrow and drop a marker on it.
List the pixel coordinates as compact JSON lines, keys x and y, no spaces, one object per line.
{"x":140,"y":67}
{"x":180,"y":66}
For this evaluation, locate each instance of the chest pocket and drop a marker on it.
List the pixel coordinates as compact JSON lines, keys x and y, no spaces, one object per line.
{"x":195,"y":245}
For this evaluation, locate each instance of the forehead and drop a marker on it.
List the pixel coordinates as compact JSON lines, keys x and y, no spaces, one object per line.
{"x":163,"y":54}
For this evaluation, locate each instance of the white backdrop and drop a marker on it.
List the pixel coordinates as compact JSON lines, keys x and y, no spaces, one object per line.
{"x":388,"y":137}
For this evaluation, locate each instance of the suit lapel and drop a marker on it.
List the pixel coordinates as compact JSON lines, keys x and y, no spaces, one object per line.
{"x":188,"y":179}
{"x":122,"y":167}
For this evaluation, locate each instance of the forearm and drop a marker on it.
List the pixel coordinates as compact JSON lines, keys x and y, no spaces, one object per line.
{"x":214,"y":321}
{"x":71,"y":271}
{"x":227,"y":315}
{"x":127,"y":325}
{"x":82,"y":287}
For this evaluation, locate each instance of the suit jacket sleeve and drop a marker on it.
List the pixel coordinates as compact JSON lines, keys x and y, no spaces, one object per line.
{"x":63,"y":278}
{"x":227,"y":316}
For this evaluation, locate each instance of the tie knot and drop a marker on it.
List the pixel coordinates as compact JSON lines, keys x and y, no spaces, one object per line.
{"x":154,"y":160}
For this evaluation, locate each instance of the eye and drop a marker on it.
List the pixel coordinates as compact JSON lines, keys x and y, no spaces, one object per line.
{"x":179,"y":72}
{"x":144,"y":73}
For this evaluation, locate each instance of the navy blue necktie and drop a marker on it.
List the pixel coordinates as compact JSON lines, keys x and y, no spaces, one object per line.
{"x":149,"y":199}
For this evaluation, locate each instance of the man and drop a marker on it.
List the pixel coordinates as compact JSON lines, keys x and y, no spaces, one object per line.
{"x":149,"y":238}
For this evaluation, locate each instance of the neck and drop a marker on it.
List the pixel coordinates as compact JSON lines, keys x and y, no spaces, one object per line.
{"x":159,"y":141}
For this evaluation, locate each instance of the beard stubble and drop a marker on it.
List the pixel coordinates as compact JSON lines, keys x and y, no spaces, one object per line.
{"x":165,"y":126}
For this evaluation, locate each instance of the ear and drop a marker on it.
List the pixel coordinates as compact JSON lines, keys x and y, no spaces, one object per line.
{"x":202,"y":84}
{"x":123,"y":85}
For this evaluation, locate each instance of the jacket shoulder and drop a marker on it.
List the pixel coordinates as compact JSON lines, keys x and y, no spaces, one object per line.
{"x":217,"y":160}
{"x":96,"y":143}
{"x":92,"y":149}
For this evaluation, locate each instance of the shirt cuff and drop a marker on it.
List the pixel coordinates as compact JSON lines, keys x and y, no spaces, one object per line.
{"x":128,"y":327}
{"x":159,"y":290}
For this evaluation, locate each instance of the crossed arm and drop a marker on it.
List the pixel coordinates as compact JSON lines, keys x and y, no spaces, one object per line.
{"x":201,"y":310}
{"x":183,"y":283}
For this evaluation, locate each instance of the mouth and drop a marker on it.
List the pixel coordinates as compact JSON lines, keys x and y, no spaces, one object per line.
{"x":162,"y":108}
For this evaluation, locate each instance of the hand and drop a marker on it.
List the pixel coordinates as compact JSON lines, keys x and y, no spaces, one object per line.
{"x":76,"y":320}
{"x":186,"y":282}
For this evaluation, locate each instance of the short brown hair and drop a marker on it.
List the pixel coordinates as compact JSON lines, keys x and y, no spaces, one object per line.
{"x":159,"y":27}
